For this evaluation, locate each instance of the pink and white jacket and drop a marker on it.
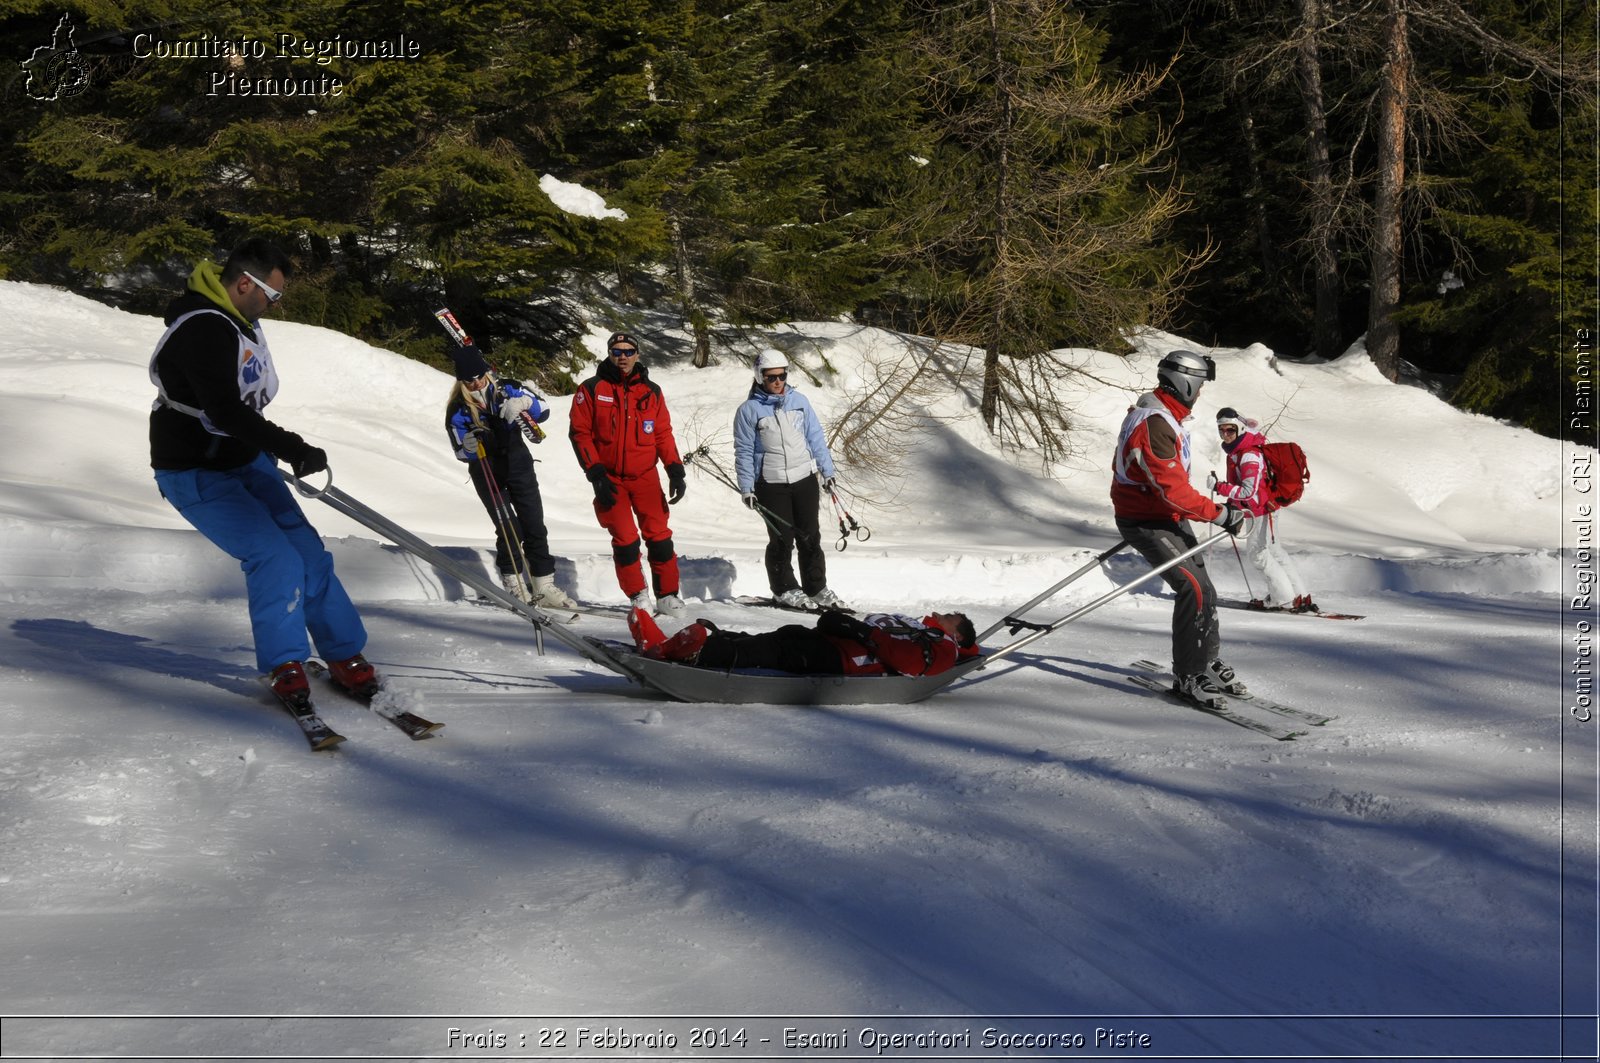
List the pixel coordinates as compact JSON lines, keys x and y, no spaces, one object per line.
{"x":1247,"y":474}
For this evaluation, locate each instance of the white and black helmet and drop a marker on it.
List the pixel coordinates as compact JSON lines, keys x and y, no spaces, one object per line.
{"x":1184,"y":372}
{"x":771,"y":358}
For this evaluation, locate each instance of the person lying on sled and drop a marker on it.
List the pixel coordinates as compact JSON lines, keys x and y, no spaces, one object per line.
{"x":839,"y":644}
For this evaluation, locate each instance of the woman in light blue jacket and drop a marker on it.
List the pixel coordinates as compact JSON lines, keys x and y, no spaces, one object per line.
{"x":779,"y":451}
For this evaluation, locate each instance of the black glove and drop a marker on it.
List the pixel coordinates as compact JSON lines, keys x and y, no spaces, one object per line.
{"x":605,"y":494}
{"x":309,"y":462}
{"x":676,"y":485}
{"x":844,"y":626}
{"x":1231,"y":518}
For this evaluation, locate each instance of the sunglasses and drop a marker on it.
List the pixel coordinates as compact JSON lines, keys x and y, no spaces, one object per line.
{"x":775,"y":376}
{"x":624,"y":352}
{"x":272,"y":294}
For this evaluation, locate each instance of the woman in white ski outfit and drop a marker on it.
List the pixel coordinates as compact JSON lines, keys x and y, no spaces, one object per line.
{"x":1247,"y":487}
{"x":779,"y":451}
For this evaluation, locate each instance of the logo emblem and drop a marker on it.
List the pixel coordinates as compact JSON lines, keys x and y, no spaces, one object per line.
{"x":57,"y":70}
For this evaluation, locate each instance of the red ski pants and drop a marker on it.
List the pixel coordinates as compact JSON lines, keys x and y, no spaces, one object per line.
{"x":640,"y":497}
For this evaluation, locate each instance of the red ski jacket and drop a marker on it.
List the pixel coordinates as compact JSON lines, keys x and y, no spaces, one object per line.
{"x":901,"y":645}
{"x":1150,"y":478}
{"x":1247,"y":474}
{"x":622,"y":425}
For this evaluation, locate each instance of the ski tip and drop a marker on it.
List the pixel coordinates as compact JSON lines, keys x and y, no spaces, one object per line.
{"x":328,"y":741}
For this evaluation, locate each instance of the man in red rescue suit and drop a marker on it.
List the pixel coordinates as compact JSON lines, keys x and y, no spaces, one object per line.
{"x":1154,"y":502}
{"x":620,"y":428}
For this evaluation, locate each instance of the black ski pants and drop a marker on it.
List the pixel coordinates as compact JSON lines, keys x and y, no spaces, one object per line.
{"x":512,"y":470}
{"x":792,"y":523}
{"x":792,"y":648}
{"x":1196,"y":638}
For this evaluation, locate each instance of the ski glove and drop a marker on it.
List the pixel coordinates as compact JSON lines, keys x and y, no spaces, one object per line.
{"x":310,"y":462}
{"x":605,"y":494}
{"x":827,"y":485}
{"x":844,"y":626}
{"x":1211,"y":483}
{"x":676,"y":485}
{"x":1231,"y":518}
{"x":748,"y":498}
{"x":513,"y":408}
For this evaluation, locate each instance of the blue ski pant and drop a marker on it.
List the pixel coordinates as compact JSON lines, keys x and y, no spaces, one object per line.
{"x":250,"y":514}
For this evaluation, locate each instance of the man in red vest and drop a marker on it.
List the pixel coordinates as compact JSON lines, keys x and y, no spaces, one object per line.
{"x":1154,"y":502}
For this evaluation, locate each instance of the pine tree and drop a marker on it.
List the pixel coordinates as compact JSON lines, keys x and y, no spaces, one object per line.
{"x":1505,"y":275}
{"x":1037,"y":221}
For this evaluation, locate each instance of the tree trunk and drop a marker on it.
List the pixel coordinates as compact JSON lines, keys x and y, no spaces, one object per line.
{"x":989,"y":403}
{"x":693,"y":315}
{"x":1271,"y":262}
{"x":1325,"y":338}
{"x":1383,"y":339}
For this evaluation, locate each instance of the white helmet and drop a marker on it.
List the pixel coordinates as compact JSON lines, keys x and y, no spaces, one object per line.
{"x":771,"y":358}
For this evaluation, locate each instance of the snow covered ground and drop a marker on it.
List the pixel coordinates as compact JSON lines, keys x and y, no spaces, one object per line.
{"x":574,"y":868}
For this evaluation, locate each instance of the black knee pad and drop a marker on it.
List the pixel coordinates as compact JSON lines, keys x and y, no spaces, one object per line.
{"x":627,"y":554}
{"x":660,"y":550}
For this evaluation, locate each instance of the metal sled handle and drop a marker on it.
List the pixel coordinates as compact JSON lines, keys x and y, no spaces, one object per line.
{"x":1103,"y":599}
{"x":1099,"y":559}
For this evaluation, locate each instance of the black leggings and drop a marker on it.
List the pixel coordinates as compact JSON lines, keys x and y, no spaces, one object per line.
{"x":792,"y":523}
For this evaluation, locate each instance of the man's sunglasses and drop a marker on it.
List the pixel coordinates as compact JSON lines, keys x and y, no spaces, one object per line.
{"x":624,"y":352}
{"x":272,"y":294}
{"x":776,"y":376}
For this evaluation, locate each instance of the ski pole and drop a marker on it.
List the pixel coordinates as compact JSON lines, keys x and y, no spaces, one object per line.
{"x":505,"y":519}
{"x":454,"y":329}
{"x":1099,"y":559}
{"x":862,"y":532}
{"x":1103,"y":599}
{"x":717,"y":473}
{"x":1237,"y":556}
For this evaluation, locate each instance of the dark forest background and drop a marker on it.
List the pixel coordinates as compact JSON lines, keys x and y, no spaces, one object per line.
{"x":1018,"y":175}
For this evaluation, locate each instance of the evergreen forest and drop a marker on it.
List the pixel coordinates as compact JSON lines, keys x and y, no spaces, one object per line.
{"x":1015,"y":176}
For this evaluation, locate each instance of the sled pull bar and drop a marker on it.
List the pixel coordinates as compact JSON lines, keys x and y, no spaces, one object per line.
{"x":1099,"y":559}
{"x":1104,"y":598}
{"x":423,"y":550}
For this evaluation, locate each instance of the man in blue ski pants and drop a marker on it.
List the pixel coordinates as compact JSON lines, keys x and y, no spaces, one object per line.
{"x":215,"y":456}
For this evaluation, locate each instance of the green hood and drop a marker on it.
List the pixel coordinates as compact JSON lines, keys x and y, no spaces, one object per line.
{"x":207,"y":280}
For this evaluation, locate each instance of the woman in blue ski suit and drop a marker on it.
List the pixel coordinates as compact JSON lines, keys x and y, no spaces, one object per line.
{"x":779,"y":450}
{"x":485,"y":411}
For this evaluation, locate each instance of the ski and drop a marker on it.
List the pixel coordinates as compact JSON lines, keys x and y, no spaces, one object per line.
{"x":318,"y":733}
{"x":773,"y":603}
{"x":561,"y":616}
{"x":1227,"y":604}
{"x":1315,"y":719}
{"x":1227,"y":712}
{"x":614,"y":612}
{"x":415,"y":727}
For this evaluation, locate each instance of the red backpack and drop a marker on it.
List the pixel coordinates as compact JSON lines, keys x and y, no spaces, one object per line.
{"x":1287,"y":474}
